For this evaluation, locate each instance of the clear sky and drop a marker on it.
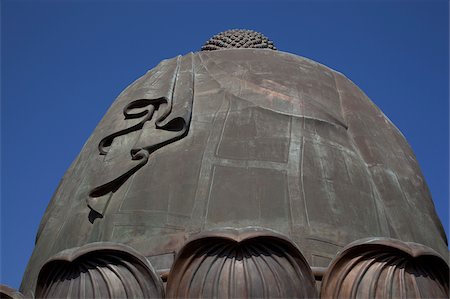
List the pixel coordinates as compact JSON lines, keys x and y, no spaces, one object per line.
{"x":64,"y":62}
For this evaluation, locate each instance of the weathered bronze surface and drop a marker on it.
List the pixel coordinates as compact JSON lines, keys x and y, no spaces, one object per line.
{"x":386,"y":268}
{"x":7,"y":292}
{"x":231,"y":139}
{"x":247,"y":263}
{"x":238,"y":38}
{"x":99,"y":270}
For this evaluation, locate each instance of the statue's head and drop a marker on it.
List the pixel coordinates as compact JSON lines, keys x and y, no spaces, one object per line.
{"x":238,"y":38}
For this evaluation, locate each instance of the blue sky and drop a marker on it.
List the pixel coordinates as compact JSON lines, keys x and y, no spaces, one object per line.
{"x":64,"y":62}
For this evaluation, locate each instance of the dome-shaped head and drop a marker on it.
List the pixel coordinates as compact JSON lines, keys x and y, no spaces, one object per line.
{"x":238,"y":38}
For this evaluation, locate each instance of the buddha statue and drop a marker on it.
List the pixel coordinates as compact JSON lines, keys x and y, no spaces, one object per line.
{"x":241,"y":171}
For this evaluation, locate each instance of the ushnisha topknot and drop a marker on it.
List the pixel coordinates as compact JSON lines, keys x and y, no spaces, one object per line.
{"x":238,"y":38}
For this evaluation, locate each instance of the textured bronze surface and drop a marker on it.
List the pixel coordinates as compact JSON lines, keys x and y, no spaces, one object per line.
{"x":386,"y":268}
{"x":237,"y":138}
{"x":238,"y":38}
{"x":9,"y":293}
{"x":246,"y":263}
{"x":99,"y":270}
{"x":159,"y":121}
